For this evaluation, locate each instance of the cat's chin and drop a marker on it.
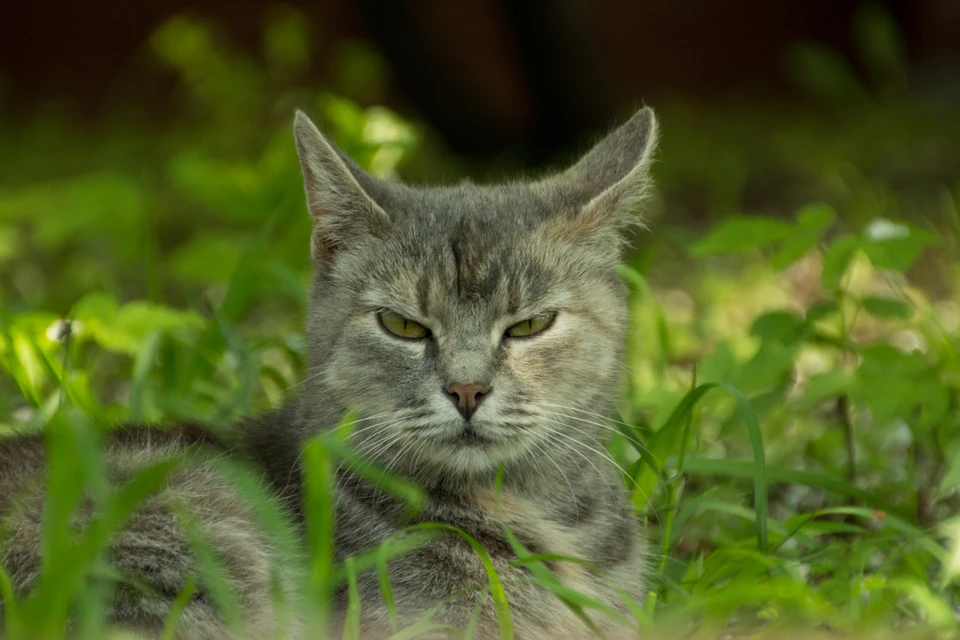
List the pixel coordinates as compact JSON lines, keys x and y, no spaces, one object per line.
{"x":471,"y":455}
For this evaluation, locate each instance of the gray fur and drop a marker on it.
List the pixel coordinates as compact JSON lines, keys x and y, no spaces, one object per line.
{"x":467,"y":262}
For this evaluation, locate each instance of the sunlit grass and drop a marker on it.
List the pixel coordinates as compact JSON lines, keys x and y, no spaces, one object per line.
{"x":788,"y":424}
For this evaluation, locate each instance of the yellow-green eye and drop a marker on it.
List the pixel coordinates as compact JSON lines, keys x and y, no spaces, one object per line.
{"x":402,"y":327}
{"x":531,"y":326}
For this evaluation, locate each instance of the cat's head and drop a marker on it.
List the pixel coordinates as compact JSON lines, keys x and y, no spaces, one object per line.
{"x":470,"y":325}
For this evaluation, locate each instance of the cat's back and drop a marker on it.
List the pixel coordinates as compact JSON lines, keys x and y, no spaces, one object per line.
{"x":153,"y":548}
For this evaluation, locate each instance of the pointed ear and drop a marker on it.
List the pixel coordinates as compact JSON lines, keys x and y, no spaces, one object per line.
{"x":603,"y":189}
{"x":342,"y":209}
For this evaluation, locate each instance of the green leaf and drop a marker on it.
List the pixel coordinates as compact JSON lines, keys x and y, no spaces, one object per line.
{"x":895,"y":246}
{"x":831,"y":384}
{"x":793,"y":249}
{"x":738,"y":235}
{"x":821,"y":309}
{"x":951,"y":478}
{"x":772,"y":364}
{"x":824,"y":73}
{"x":207,"y":258}
{"x":126,"y":328}
{"x":887,"y":308}
{"x":816,"y":217}
{"x":781,"y":475}
{"x":720,"y":365}
{"x":836,"y":259}
{"x":778,"y":326}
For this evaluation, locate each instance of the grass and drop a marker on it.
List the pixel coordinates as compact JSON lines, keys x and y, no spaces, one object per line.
{"x":789,"y":420}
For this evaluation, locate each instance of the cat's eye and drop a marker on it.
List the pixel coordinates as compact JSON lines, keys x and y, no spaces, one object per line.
{"x":401,"y":327}
{"x":531,"y":326}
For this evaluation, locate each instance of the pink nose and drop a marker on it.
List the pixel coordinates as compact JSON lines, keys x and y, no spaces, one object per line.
{"x":467,"y":396}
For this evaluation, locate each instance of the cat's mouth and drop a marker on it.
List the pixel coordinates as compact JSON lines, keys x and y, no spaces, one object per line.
{"x":469,"y":436}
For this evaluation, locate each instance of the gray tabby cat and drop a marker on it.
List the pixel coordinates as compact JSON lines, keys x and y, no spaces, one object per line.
{"x":472,"y":328}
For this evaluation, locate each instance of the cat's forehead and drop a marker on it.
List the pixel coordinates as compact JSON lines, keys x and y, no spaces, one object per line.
{"x":465,"y":246}
{"x":439,"y":211}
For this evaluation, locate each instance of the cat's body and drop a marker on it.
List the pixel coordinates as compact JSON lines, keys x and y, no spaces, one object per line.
{"x":472,"y":329}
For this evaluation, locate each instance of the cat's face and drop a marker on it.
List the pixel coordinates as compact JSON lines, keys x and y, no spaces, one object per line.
{"x":467,"y":326}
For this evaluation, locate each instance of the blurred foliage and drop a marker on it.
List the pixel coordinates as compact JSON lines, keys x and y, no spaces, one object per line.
{"x":790,"y":422}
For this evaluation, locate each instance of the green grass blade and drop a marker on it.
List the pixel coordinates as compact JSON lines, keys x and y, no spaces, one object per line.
{"x":351,"y":627}
{"x":383,"y":579}
{"x":9,"y":607}
{"x":212,"y":575}
{"x":760,"y":499}
{"x":783,"y":475}
{"x":176,"y":611}
{"x":319,"y":511}
{"x":501,"y":605}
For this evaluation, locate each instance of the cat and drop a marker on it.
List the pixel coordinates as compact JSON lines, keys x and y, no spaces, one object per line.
{"x":476,"y":332}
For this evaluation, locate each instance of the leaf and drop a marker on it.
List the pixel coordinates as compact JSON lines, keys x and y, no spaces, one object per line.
{"x":207,"y":258}
{"x":126,"y":328}
{"x":738,"y":235}
{"x":951,"y":478}
{"x":823,"y":73}
{"x":792,"y":250}
{"x":778,"y":326}
{"x":816,"y":217}
{"x":772,"y":364}
{"x":720,"y":365}
{"x":821,"y":309}
{"x":895,"y":246}
{"x":887,"y":308}
{"x":836,"y":259}
{"x":951,"y":567}
{"x":783,"y":475}
{"x":831,"y":384}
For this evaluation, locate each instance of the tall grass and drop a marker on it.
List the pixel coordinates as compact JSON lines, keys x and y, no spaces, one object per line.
{"x":789,"y":422}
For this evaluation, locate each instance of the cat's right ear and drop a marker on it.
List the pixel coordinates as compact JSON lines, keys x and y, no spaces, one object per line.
{"x":341,"y":208}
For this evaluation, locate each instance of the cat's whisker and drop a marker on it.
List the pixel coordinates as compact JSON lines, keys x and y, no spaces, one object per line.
{"x":377,"y":444}
{"x":305,"y":380}
{"x":600,"y":474}
{"x":542,"y":449}
{"x":598,"y":424}
{"x":364,"y":446}
{"x":412,"y":442}
{"x":604,"y":455}
{"x":579,"y":410}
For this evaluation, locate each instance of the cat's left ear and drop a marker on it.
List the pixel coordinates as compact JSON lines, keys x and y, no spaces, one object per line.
{"x":604,"y":188}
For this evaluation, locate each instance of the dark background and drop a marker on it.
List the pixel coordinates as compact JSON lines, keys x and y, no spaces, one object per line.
{"x":485,"y":73}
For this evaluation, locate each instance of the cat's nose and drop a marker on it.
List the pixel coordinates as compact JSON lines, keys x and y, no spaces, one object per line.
{"x":467,"y":396}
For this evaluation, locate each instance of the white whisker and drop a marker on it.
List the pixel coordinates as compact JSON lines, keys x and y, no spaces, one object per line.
{"x":604,"y":455}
